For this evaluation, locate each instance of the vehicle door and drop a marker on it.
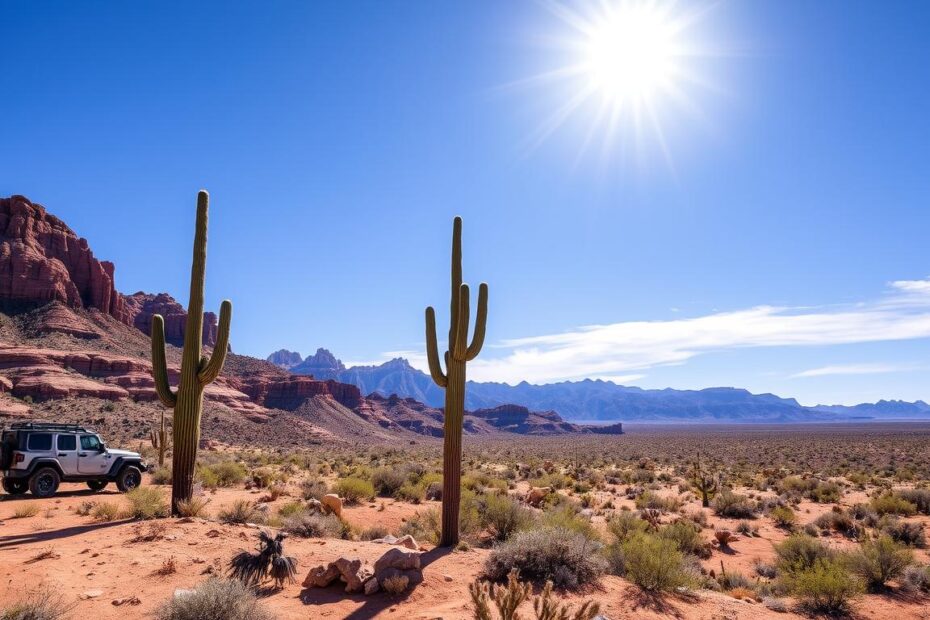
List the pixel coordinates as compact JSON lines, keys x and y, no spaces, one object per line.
{"x":67,"y":453}
{"x":92,"y":459}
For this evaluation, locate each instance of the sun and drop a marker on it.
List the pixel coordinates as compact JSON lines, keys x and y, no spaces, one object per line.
{"x":625,"y":64}
{"x":630,"y":53}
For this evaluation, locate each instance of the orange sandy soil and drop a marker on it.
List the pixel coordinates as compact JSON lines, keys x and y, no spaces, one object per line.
{"x":89,"y":555}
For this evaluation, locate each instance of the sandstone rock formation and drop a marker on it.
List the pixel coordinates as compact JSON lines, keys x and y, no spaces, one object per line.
{"x":396,"y":561}
{"x":141,"y":306}
{"x":42,"y":260}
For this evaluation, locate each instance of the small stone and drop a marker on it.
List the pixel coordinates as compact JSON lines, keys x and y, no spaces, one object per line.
{"x":91,"y":594}
{"x":371,"y":586}
{"x":447,"y":577}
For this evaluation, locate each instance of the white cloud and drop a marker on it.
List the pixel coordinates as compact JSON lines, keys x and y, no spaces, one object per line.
{"x":855,"y":369}
{"x":634,"y":346}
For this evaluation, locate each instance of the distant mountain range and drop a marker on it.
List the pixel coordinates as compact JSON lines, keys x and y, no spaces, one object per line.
{"x":596,"y":401}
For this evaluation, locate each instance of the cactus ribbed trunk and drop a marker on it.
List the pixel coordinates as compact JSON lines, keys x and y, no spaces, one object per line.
{"x":453,"y":380}
{"x":452,"y":454}
{"x":196,"y":370}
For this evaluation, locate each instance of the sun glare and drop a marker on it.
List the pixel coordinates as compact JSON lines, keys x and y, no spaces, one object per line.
{"x":630,"y":54}
{"x":625,"y":64}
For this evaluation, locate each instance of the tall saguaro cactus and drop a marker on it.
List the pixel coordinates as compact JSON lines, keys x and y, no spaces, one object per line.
{"x":196,"y":370}
{"x":453,"y":380}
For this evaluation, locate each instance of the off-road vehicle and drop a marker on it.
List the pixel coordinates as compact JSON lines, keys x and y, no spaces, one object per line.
{"x":38,"y":456}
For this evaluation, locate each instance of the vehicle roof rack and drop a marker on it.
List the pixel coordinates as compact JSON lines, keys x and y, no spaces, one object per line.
{"x":49,"y":426}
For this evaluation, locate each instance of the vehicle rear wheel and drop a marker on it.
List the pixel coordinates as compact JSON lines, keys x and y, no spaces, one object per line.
{"x":129,"y":478}
{"x":15,"y":486}
{"x":97,"y":485}
{"x":44,"y":482}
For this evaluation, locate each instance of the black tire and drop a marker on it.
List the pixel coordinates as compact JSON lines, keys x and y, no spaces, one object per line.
{"x":15,"y":486}
{"x":97,"y":485}
{"x":129,"y":478}
{"x":44,"y":482}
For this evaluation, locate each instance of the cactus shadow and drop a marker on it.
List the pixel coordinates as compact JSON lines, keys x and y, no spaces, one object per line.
{"x":50,"y":535}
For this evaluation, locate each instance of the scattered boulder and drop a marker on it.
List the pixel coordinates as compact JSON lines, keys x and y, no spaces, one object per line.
{"x":332,"y":503}
{"x":351,"y":571}
{"x":396,"y":562}
{"x":536,"y":495}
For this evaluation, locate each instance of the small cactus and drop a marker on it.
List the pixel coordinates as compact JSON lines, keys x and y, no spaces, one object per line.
{"x":703,"y":482}
{"x":159,"y":439}
{"x":453,"y":380}
{"x":196,"y":370}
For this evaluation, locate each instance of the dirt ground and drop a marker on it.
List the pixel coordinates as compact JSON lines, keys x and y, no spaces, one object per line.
{"x":99,"y":564}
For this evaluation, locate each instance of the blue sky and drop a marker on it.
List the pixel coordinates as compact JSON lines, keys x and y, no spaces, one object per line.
{"x":778,"y":243}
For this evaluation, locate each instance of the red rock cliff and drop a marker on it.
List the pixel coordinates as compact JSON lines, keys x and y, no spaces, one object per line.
{"x":42,"y":260}
{"x":141,"y":306}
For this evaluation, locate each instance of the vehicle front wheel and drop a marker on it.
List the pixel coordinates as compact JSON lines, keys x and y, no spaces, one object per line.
{"x":44,"y":482}
{"x":15,"y":486}
{"x":97,"y":485}
{"x":129,"y":478}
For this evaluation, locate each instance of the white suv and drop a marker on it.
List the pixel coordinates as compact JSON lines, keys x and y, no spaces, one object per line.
{"x":37,"y":456}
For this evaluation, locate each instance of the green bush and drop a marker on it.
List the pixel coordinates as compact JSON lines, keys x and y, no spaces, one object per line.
{"x":566,"y":517}
{"x":240,"y":511}
{"x":687,"y":538}
{"x":893,"y":504}
{"x":229,"y":599}
{"x":313,"y":489}
{"x":657,"y":502}
{"x":800,"y":552}
{"x":44,"y":603}
{"x":566,"y":558}
{"x":503,"y":516}
{"x":413,"y":492}
{"x":653,"y":563}
{"x":146,"y":503}
{"x":222,"y":474}
{"x":824,"y":587}
{"x":783,"y":516}
{"x":919,"y":497}
{"x":423,"y":526}
{"x":733,"y":506}
{"x":387,"y":481}
{"x":904,"y":532}
{"x":625,"y":524}
{"x":161,"y":476}
{"x":879,"y":561}
{"x":354,"y":490}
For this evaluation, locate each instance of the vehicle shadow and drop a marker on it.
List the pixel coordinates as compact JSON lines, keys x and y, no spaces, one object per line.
{"x":58,"y":494}
{"x":29,"y":538}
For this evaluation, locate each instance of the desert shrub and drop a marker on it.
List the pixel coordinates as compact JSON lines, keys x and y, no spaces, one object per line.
{"x":910,"y":534}
{"x":313,"y":489}
{"x":687,"y":538}
{"x":919,"y":497}
{"x":916,"y":578}
{"x":291,"y":509}
{"x":229,"y":599}
{"x":824,"y":587}
{"x":24,"y":511}
{"x":354,"y":490}
{"x":783,"y":516}
{"x":555,"y":480}
{"x":222,"y":474}
{"x":388,"y":480}
{"x":263,"y":477}
{"x":893,"y":504}
{"x":395,"y":584}
{"x":746,"y":528}
{"x":777,"y":605}
{"x":240,"y":511}
{"x":105,"y":511}
{"x":879,"y":561}
{"x":733,"y":506}
{"x":313,"y":525}
{"x":43,"y":603}
{"x":423,"y":526}
{"x":161,"y":476}
{"x":837,"y":521}
{"x":567,"y":517}
{"x":733,"y":580}
{"x":193,"y":507}
{"x":374,"y":532}
{"x":800,"y":552}
{"x":653,"y":563}
{"x":864,"y":513}
{"x":565,"y":557}
{"x":85,"y":508}
{"x":625,"y":524}
{"x":413,"y":492}
{"x":825,"y":493}
{"x":503,"y":515}
{"x":146,"y":503}
{"x":764,"y":569}
{"x":657,"y":502}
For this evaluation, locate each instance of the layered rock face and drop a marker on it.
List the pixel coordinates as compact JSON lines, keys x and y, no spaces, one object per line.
{"x":291,"y":392}
{"x":141,"y":306}
{"x":322,"y":365}
{"x":518,"y":419}
{"x":42,"y":260}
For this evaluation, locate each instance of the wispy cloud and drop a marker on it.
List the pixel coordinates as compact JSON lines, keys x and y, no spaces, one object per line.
{"x":855,"y":369}
{"x":631,"y":347}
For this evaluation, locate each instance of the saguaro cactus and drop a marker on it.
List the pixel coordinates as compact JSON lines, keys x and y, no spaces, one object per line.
{"x":196,"y":370}
{"x":453,"y":380}
{"x":703,"y":482}
{"x":159,"y":439}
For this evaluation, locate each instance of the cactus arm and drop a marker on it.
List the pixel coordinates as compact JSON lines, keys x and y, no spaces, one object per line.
{"x":432,"y":349}
{"x":481,"y":321}
{"x":160,"y":363}
{"x":211,"y":370}
{"x":461,"y":328}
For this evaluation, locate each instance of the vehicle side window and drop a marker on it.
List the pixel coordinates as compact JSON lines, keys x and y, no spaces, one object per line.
{"x":67,"y":443}
{"x":40,"y":442}
{"x":90,"y":442}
